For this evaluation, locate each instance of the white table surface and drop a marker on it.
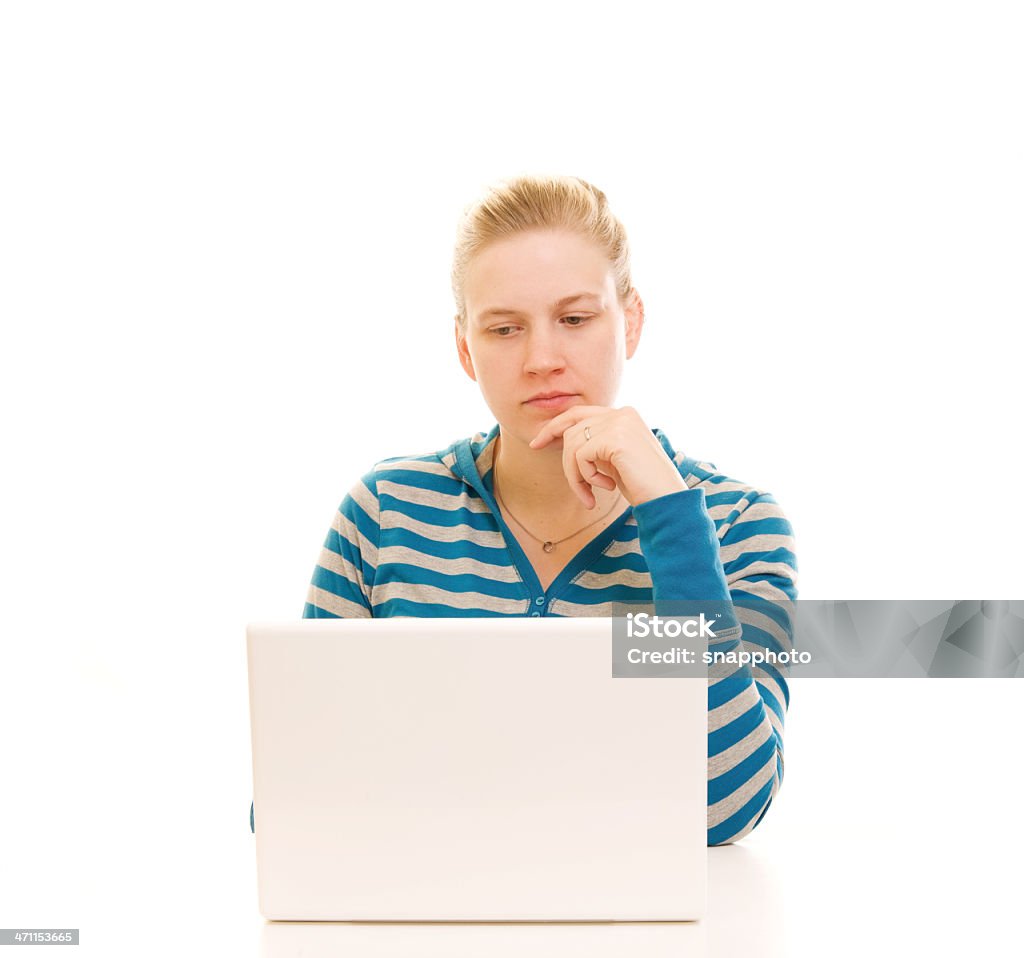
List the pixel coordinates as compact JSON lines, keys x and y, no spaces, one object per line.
{"x":897,"y":829}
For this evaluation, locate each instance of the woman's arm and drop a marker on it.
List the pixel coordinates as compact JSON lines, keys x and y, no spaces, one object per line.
{"x":343,"y":578}
{"x":740,"y":563}
{"x":748,"y":562}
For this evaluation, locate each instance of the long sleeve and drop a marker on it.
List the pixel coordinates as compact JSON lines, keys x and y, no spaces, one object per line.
{"x":743,"y":557}
{"x":343,"y":578}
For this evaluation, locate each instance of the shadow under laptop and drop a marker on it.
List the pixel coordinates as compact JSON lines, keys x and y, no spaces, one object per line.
{"x":494,"y":939}
{"x":744,"y":916}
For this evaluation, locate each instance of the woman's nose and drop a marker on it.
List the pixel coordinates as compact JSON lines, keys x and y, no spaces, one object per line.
{"x":543,"y":353}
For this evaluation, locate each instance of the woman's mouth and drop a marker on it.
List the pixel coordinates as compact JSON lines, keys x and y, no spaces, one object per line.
{"x":551,"y":400}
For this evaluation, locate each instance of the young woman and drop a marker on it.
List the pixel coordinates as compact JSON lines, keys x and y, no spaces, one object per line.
{"x":569,"y":504}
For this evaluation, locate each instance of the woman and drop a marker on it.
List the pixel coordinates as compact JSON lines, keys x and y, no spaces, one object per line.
{"x":568,"y":504}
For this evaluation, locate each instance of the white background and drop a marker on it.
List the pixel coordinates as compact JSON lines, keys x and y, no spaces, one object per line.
{"x":225,"y":235}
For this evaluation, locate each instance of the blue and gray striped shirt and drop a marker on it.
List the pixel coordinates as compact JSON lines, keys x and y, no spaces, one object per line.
{"x":423,"y":536}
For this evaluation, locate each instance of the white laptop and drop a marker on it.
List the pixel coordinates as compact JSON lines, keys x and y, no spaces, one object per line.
{"x":472,"y":770}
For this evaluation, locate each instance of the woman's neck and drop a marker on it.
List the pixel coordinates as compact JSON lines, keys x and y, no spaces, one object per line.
{"x":532,"y":485}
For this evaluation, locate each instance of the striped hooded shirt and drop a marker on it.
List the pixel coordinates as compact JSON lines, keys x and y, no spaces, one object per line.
{"x":422,"y":536}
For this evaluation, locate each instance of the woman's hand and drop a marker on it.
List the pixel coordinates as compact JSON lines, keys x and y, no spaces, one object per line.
{"x":621,"y":452}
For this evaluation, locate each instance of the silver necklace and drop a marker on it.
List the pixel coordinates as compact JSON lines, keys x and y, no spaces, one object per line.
{"x":547,"y":544}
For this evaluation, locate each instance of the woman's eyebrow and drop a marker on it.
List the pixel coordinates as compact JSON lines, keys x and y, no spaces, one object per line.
{"x":564,"y":301}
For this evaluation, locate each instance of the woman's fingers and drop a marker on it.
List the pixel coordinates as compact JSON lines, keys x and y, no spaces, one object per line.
{"x":621,"y":453}
{"x":573,"y":473}
{"x":584,"y":460}
{"x":555,"y":428}
{"x":593,"y":469}
{"x":590,"y":467}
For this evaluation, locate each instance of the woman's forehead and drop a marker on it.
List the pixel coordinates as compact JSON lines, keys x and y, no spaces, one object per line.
{"x":538,"y":269}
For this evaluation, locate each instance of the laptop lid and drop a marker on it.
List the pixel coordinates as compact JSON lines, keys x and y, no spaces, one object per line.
{"x":472,"y":769}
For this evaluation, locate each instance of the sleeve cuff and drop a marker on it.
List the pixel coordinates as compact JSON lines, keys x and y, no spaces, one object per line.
{"x":680,"y":545}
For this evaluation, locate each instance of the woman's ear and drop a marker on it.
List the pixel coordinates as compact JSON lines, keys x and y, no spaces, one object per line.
{"x":634,"y":311}
{"x":463,"y":349}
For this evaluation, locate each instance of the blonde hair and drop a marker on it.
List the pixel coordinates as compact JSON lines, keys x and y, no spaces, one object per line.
{"x":539,"y":202}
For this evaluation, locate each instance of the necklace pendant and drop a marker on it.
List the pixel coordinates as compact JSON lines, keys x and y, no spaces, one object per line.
{"x":549,"y":547}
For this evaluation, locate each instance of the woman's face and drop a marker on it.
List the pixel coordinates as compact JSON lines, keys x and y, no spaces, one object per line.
{"x":545,"y":330}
